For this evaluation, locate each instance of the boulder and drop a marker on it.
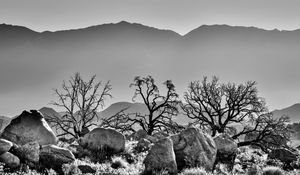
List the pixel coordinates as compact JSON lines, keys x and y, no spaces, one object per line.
{"x":28,"y":127}
{"x":194,"y":148}
{"x":225,"y":144}
{"x":284,"y":155}
{"x":143,"y":145}
{"x":226,"y":149}
{"x":100,"y":139}
{"x":5,"y":146}
{"x":10,"y":160}
{"x":52,"y":156}
{"x":161,"y":157}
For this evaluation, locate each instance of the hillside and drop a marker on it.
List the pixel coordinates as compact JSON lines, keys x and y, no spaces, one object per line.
{"x":293,"y":112}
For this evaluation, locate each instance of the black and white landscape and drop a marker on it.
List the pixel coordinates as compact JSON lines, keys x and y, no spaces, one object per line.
{"x":150,"y":87}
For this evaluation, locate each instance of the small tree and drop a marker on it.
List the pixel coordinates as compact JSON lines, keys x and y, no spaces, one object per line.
{"x":160,"y":108}
{"x":220,"y":107}
{"x":80,"y":99}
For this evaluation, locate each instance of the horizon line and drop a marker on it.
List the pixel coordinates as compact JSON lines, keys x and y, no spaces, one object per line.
{"x":136,"y":23}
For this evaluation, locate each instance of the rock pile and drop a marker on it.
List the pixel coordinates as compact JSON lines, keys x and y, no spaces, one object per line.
{"x":28,"y":139}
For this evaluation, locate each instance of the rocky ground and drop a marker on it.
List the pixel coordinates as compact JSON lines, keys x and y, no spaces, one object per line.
{"x":29,"y":146}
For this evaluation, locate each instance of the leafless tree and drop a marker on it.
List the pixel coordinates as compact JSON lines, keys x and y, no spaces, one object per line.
{"x":81,"y":100}
{"x":161,"y":108}
{"x":265,"y":132}
{"x":222,"y":106}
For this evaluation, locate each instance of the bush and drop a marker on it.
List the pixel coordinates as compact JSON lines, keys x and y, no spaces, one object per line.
{"x":254,"y":170}
{"x":272,"y":171}
{"x":118,"y":162}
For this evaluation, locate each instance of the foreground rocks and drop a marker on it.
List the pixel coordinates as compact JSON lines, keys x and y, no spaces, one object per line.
{"x":103,"y":139}
{"x":193,"y":148}
{"x":161,"y":157}
{"x":226,"y":149}
{"x":11,"y":161}
{"x":28,"y":127}
{"x":29,"y":140}
{"x":5,"y":146}
{"x":52,"y":156}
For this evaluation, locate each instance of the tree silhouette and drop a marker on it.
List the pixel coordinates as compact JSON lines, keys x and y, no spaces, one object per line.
{"x":220,"y":107}
{"x":160,"y":108}
{"x":80,"y":99}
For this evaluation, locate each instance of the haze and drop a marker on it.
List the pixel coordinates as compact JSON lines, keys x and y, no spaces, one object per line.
{"x":27,"y":78}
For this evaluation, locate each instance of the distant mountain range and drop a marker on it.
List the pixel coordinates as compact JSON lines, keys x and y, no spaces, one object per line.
{"x":120,"y":51}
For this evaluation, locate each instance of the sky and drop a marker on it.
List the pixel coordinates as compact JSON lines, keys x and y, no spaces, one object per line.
{"x":178,"y":15}
{"x":181,"y":16}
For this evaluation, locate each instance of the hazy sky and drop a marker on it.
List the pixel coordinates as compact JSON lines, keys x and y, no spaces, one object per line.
{"x":178,"y":15}
{"x":181,"y":16}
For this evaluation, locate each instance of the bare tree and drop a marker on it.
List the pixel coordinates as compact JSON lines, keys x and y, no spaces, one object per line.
{"x":80,"y":99}
{"x":222,"y":106}
{"x":265,"y":132}
{"x":161,"y":108}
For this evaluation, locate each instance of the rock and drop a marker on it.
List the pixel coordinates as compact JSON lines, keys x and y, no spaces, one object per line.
{"x":52,"y":156}
{"x":28,"y":153}
{"x":86,"y":169}
{"x":5,"y":146}
{"x":100,"y":138}
{"x":225,"y":144}
{"x":161,"y":157}
{"x":10,"y":160}
{"x":140,"y":134}
{"x":193,"y":148}
{"x":28,"y":127}
{"x":284,"y":155}
{"x":143,"y":145}
{"x":226,"y":149}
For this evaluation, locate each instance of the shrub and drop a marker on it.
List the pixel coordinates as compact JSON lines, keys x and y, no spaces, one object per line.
{"x":272,"y":171}
{"x":118,"y":162}
{"x":193,"y":171}
{"x":254,"y":170}
{"x":70,"y":169}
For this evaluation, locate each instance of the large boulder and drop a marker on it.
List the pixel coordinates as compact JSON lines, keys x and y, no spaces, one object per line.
{"x":193,"y":148}
{"x":28,"y":127}
{"x":52,"y":156}
{"x":284,"y":155}
{"x":161,"y":157}
{"x":5,"y":146}
{"x":226,"y":149}
{"x":100,"y":139}
{"x":10,"y":160}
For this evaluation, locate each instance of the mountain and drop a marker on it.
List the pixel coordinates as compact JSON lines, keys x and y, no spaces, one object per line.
{"x":34,"y":62}
{"x":292,"y":111}
{"x":49,"y":113}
